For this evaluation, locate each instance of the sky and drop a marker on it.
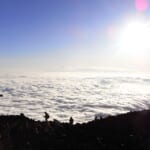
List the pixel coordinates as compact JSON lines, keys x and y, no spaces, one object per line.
{"x":69,"y":35}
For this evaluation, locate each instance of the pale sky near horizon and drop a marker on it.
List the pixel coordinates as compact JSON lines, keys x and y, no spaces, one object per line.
{"x":60,"y":35}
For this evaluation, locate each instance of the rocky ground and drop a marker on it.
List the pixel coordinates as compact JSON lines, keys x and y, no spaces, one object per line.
{"x":129,"y":131}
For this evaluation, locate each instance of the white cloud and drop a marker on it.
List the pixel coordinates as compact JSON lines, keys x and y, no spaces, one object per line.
{"x":79,"y":95}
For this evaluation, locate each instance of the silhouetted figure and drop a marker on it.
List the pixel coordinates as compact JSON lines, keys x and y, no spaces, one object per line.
{"x":71,"y":121}
{"x":96,"y":118}
{"x":1,"y":95}
{"x":46,"y":116}
{"x":22,"y":115}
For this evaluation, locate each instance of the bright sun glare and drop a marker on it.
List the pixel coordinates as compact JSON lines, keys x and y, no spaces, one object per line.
{"x":134,"y":38}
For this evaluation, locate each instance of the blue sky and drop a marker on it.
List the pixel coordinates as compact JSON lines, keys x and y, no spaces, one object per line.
{"x":60,"y":34}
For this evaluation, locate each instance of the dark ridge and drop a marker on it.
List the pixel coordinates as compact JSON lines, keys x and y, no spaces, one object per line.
{"x":129,"y":131}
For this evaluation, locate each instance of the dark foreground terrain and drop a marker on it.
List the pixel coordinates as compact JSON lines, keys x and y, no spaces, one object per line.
{"x":123,"y":132}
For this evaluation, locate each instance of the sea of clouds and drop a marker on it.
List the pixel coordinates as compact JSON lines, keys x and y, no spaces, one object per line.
{"x":80,"y":95}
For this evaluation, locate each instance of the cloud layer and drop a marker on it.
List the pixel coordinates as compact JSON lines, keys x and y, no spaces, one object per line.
{"x":80,"y":95}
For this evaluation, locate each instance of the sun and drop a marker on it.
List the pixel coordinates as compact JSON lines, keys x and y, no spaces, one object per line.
{"x":134,"y":38}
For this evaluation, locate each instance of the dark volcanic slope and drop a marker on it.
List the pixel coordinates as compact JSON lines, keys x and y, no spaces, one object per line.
{"x":123,"y":132}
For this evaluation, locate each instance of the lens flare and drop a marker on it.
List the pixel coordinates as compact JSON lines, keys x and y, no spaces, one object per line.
{"x":141,"y":5}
